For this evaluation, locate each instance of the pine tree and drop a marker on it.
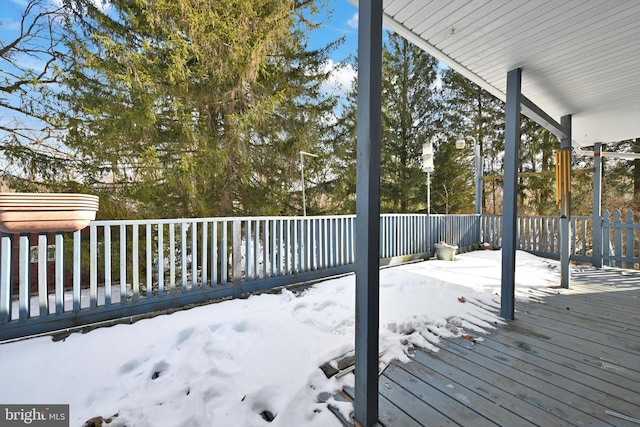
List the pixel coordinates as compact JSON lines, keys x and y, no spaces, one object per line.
{"x":537,"y":168}
{"x":472,"y":111}
{"x":409,"y":117}
{"x":194,"y":108}
{"x":452,"y":190}
{"x":341,"y":166}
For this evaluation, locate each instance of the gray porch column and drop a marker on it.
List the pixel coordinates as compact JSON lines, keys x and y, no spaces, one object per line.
{"x":367,"y":264}
{"x":510,"y":204}
{"x":596,"y":256}
{"x":565,"y":211}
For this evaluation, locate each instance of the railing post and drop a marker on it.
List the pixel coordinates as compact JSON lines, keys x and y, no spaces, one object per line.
{"x":565,"y":251}
{"x":596,"y":249}
{"x":565,"y":210}
{"x":236,"y":229}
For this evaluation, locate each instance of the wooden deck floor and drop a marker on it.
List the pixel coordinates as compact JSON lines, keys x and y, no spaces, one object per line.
{"x":568,"y":359}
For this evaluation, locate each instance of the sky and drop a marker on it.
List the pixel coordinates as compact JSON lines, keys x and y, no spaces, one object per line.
{"x":340,"y":19}
{"x":227,"y":363}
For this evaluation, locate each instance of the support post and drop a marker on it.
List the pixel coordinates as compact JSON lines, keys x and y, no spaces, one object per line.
{"x":565,"y":210}
{"x":368,"y":212}
{"x":510,"y":207}
{"x":596,"y":255}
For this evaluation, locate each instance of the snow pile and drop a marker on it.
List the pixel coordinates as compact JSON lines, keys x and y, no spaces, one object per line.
{"x":243,"y":362}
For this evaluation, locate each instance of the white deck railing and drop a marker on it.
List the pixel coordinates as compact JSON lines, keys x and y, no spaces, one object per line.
{"x":116,"y":269}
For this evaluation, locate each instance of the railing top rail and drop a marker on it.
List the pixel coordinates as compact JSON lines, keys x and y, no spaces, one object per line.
{"x":542,"y":216}
{"x":218,"y":219}
{"x":102,"y":223}
{"x":470,"y":215}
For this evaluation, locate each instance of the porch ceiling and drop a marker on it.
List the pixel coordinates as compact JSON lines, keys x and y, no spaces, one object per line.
{"x":579,"y":57}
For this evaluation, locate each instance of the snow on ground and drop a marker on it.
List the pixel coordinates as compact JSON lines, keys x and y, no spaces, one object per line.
{"x":224,"y":364}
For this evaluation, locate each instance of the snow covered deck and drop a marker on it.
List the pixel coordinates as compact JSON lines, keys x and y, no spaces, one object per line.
{"x":568,"y":359}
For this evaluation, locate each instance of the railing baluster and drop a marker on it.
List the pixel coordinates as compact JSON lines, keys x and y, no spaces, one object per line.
{"x":24,"y":291}
{"x":535,"y":231}
{"x":286,"y":224}
{"x":341,"y":241}
{"x":316,"y":243}
{"x":334,"y":241}
{"x":295,"y":239}
{"x":205,"y":244}
{"x":247,"y":248}
{"x":149,"y":253}
{"x":224,"y":247}
{"x":574,"y":235}
{"x":266,"y":253}
{"x":273,"y":247}
{"x":311,"y":244}
{"x":194,"y":256}
{"x":324,"y":251}
{"x":135,"y":270}
{"x":256,"y":250}
{"x":43,"y":291}
{"x":77,"y":257}
{"x":123,"y":263}
{"x":107,"y":265}
{"x":214,"y":253}
{"x":59,"y":279}
{"x":172,"y":258}
{"x":93,"y":267}
{"x":6,"y":282}
{"x":160,"y":252}
{"x":629,"y":245}
{"x":183,"y":255}
{"x":617,"y":237}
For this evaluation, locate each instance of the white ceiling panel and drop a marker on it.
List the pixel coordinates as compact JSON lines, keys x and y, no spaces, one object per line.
{"x":578,"y":57}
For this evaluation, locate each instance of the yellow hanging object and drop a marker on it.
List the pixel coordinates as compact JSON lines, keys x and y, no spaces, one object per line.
{"x":563,"y":178}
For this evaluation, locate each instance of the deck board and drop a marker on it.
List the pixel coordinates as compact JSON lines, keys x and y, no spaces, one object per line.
{"x":570,"y":356}
{"x":576,"y":381}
